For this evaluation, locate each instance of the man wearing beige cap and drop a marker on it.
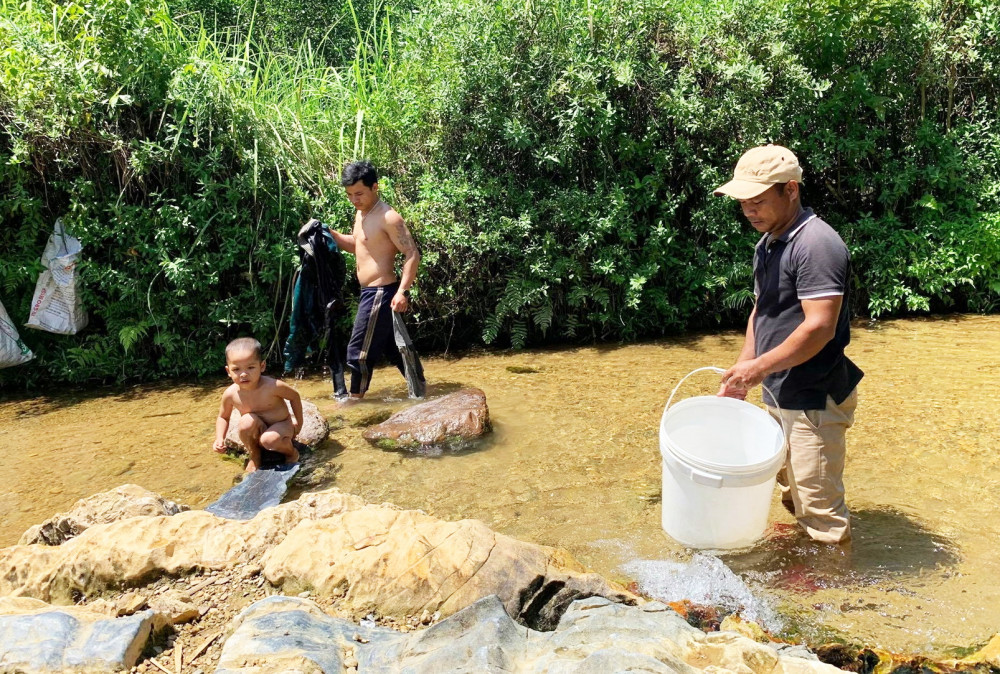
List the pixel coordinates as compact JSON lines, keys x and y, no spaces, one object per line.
{"x":796,"y":336}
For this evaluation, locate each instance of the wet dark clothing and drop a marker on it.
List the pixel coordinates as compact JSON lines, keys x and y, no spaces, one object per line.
{"x":808,"y":261}
{"x":317,"y":302}
{"x":373,"y":337}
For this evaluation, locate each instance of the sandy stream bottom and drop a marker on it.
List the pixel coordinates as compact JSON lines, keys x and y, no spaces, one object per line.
{"x":574,"y":462}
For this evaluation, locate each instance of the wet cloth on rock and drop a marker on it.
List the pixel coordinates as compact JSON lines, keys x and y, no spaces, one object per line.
{"x":258,"y":490}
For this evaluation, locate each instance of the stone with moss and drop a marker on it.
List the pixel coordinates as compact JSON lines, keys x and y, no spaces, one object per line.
{"x":451,"y":422}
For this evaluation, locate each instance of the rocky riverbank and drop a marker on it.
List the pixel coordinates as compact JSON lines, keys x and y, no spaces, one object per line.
{"x":328,"y":583}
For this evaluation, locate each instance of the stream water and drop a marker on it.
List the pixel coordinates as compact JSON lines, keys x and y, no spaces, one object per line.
{"x":574,"y":462}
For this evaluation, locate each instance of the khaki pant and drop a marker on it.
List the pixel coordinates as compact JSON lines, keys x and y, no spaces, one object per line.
{"x":812,"y":479}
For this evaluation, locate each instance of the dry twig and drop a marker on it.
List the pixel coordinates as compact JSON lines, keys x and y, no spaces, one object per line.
{"x":204,"y":646}
{"x":159,"y":666}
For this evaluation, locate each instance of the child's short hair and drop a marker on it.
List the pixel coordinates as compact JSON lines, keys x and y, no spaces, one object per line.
{"x":242,"y":345}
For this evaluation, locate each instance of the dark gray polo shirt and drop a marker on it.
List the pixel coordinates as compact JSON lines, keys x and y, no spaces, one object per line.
{"x":809,"y":261}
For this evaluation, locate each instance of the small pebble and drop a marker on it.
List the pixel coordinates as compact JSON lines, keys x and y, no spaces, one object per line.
{"x":251,"y":571}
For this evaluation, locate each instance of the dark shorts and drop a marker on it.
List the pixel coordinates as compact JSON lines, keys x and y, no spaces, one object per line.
{"x":269,"y":459}
{"x":372,"y":336}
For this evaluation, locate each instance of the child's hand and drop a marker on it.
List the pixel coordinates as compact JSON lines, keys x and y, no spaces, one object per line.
{"x":296,"y":427}
{"x":219,"y":446}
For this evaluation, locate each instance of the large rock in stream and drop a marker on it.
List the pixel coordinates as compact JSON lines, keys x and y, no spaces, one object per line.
{"x":314,"y":427}
{"x":128,"y":500}
{"x":369,"y":557}
{"x":452,"y":421}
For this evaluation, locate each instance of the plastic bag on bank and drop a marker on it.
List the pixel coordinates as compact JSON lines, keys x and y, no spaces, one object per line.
{"x":12,"y":350}
{"x":56,"y":306}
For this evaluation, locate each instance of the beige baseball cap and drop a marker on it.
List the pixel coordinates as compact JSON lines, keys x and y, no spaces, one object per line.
{"x":760,"y":168}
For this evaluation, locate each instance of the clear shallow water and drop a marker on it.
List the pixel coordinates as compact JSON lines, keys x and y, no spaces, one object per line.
{"x":574,"y":462}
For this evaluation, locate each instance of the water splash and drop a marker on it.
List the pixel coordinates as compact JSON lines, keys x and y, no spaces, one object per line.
{"x":703,"y":580}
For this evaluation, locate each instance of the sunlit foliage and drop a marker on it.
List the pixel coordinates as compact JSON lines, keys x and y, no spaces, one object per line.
{"x":555,"y":159}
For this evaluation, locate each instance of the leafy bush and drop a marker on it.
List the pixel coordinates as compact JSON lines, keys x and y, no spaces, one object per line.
{"x":555,"y":160}
{"x":185,"y":162}
{"x":591,"y":135}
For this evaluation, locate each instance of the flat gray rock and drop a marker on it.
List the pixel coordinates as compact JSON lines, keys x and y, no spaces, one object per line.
{"x":594,"y":636}
{"x":281,"y":634}
{"x":479,"y":638}
{"x":594,"y":632}
{"x":607,"y":661}
{"x":260,"y":489}
{"x":793,"y":651}
{"x":59,"y":641}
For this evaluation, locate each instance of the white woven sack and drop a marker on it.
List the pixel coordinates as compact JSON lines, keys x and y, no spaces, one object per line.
{"x":56,"y":305}
{"x":12,"y":350}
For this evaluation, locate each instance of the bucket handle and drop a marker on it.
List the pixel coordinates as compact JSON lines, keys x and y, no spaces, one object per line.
{"x":719,"y":370}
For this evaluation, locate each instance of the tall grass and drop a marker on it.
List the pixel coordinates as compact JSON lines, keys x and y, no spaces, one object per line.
{"x":554,"y":159}
{"x":185,"y":155}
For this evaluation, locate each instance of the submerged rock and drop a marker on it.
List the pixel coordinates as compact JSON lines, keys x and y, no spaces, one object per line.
{"x":128,"y":500}
{"x":451,"y":421}
{"x":314,"y":428}
{"x":748,"y":628}
{"x":988,"y":655}
{"x":36,"y":637}
{"x":593,"y":636}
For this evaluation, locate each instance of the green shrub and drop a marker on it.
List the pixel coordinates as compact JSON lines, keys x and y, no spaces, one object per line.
{"x":555,"y":160}
{"x":568,"y":151}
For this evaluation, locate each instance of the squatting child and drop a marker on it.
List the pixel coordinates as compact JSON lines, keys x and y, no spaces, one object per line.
{"x":264,"y":419}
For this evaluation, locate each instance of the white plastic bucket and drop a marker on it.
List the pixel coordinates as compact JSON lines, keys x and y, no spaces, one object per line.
{"x":720,"y":457}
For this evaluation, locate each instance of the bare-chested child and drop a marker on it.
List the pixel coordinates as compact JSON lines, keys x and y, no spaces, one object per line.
{"x":264,"y":419}
{"x":379,"y":233}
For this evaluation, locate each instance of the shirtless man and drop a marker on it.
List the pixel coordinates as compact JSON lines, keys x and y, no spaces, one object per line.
{"x":264,"y":419}
{"x":379,"y":234}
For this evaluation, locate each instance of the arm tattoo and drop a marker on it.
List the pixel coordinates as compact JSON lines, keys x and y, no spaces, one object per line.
{"x":406,"y":243}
